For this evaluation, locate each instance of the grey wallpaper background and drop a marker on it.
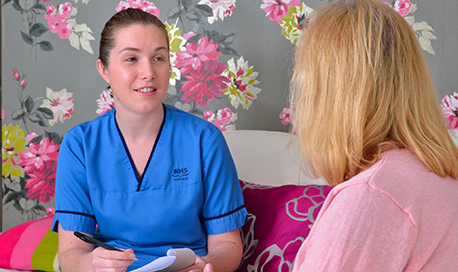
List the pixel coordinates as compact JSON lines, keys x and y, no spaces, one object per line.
{"x":248,"y":32}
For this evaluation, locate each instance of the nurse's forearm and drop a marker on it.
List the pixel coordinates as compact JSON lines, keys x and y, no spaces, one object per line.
{"x":75,"y":260}
{"x":225,"y":251}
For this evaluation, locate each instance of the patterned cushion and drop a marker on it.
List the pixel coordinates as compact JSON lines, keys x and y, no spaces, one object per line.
{"x":30,"y":246}
{"x":280,"y":218}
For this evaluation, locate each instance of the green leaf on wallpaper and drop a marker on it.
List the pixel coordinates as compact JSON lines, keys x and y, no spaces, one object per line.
{"x":193,"y":15}
{"x":428,"y":35}
{"x":18,"y":114}
{"x":47,"y":113}
{"x":205,"y":10}
{"x":45,"y":46}
{"x":74,"y":41}
{"x":26,"y":38}
{"x":422,"y":26}
{"x":35,"y":117}
{"x":28,"y":104}
{"x":86,"y":45}
{"x":12,"y":197}
{"x":228,"y":38}
{"x":27,"y":17}
{"x":27,"y":4}
{"x":37,"y":29}
{"x":87,"y":36}
{"x":82,"y":27}
{"x":16,"y":5}
{"x":6,"y":2}
{"x":39,"y":9}
{"x":53,"y":136}
{"x":174,"y":13}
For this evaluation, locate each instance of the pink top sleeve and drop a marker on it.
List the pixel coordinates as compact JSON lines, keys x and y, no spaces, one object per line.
{"x":342,"y":241}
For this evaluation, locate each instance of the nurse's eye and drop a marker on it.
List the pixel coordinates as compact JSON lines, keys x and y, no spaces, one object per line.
{"x":159,"y":58}
{"x":131,"y":59}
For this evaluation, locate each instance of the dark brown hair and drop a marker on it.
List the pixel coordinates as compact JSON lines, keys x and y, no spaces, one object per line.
{"x":123,"y":19}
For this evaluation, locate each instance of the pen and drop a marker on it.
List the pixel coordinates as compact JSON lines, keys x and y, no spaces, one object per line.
{"x":91,"y":240}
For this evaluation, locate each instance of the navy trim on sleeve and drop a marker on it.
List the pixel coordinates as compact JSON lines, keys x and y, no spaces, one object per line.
{"x":77,"y":213}
{"x":224,"y":215}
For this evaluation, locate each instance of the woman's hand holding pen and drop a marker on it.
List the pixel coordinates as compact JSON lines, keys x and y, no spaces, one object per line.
{"x":109,"y":260}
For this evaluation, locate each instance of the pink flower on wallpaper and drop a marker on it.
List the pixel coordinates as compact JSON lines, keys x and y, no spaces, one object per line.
{"x":64,"y":11}
{"x":223,"y":117}
{"x":50,"y":211}
{"x":285,"y":116}
{"x":16,"y":74}
{"x":450,"y":109}
{"x":64,"y":30}
{"x":189,"y":35}
{"x":202,"y":86}
{"x":387,"y":3}
{"x":276,"y":9}
{"x":41,"y":184}
{"x":31,"y":136}
{"x":49,"y":9}
{"x":3,"y":114}
{"x":38,"y":155}
{"x":194,"y":56}
{"x":139,"y":4}
{"x":53,"y":23}
{"x":23,"y":83}
{"x":105,"y":103}
{"x":402,"y":7}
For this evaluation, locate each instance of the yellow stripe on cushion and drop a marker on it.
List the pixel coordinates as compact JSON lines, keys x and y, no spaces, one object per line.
{"x":45,"y":253}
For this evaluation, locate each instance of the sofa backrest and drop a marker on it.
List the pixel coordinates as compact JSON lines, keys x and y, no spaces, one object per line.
{"x":263,"y":157}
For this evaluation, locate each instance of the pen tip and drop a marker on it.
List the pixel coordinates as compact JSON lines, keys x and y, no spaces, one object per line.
{"x":135,"y":259}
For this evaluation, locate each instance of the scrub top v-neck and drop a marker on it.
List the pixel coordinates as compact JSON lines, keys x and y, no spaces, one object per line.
{"x":189,"y":187}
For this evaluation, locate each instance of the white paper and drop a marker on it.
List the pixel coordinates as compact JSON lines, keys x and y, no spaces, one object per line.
{"x":176,"y":259}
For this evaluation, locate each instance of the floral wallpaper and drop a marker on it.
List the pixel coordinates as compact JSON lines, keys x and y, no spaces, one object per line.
{"x":231,"y":66}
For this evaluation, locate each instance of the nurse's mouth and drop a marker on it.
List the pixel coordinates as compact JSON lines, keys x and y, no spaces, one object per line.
{"x":146,"y":90}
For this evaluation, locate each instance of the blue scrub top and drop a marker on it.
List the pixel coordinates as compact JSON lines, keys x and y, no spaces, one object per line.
{"x":189,"y":187}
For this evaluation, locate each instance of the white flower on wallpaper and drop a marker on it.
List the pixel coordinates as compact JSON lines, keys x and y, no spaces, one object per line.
{"x":177,"y":44}
{"x":60,"y":103}
{"x":241,"y":89}
{"x":76,"y":1}
{"x":450,"y":110}
{"x":220,"y":8}
{"x":292,"y":23}
{"x":105,"y":102}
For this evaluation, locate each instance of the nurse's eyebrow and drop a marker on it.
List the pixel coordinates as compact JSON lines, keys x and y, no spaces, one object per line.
{"x":159,"y":48}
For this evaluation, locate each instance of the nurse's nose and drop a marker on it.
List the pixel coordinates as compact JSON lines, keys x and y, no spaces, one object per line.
{"x":147,"y":72}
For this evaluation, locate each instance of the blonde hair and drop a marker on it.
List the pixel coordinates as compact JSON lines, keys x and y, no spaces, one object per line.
{"x":361,"y":86}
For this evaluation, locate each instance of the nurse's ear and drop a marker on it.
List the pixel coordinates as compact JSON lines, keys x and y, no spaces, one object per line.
{"x":103,"y":71}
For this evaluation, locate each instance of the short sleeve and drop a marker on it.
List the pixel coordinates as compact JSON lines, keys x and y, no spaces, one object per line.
{"x":358,"y":229}
{"x":73,"y":206}
{"x":223,"y":208}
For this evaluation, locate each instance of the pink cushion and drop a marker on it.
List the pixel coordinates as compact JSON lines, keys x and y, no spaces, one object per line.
{"x":29,"y":246}
{"x":280,"y":218}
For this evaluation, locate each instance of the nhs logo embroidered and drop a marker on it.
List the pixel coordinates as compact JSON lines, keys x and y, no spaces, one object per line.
{"x":180,"y":174}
